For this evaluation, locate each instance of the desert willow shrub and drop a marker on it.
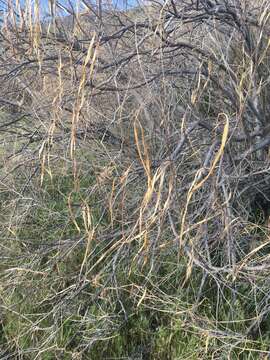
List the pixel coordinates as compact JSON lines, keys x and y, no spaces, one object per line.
{"x":136,"y":140}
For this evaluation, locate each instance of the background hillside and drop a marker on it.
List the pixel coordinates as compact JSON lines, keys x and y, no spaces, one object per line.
{"x":134,"y":181}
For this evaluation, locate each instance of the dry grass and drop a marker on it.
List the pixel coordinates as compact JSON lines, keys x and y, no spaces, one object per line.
{"x":135,"y":183}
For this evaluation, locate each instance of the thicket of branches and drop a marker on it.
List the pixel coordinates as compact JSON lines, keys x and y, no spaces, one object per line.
{"x":135,"y":184}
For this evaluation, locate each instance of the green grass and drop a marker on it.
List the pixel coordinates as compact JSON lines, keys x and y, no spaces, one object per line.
{"x":138,"y":313}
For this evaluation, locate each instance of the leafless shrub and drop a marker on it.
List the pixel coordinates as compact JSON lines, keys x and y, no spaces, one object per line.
{"x":159,"y":115}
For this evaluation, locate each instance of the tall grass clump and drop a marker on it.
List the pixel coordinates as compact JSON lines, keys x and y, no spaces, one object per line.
{"x":134,"y":183}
